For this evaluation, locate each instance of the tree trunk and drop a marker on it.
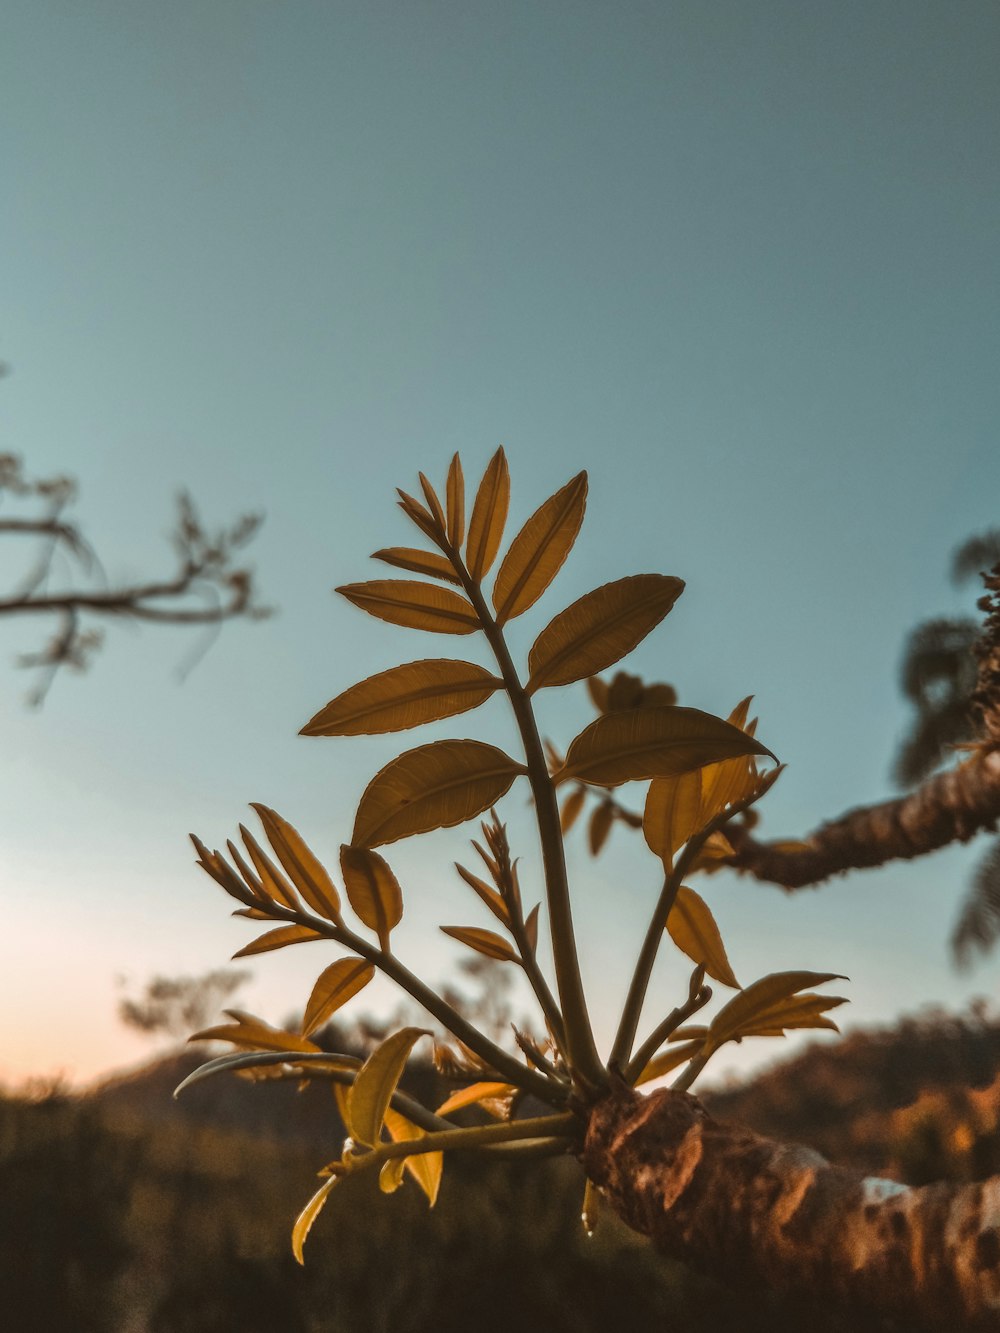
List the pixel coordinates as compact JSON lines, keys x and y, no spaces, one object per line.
{"x":748,"y":1209}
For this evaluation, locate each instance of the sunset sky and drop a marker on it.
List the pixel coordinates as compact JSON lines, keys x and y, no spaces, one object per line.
{"x":738,"y":260}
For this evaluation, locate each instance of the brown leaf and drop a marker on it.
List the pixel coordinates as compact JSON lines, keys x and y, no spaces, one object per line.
{"x":372,"y":1090}
{"x":483,"y":941}
{"x":433,"y":503}
{"x":415,"y":605}
{"x":599,"y":628}
{"x":422,"y":517}
{"x":372,"y":890}
{"x":334,"y":986}
{"x":692,"y":928}
{"x":405,"y":696}
{"x":652,"y":742}
{"x":669,"y":1059}
{"x":600,"y":826}
{"x":277,"y":939}
{"x":418,"y":562}
{"x":305,"y":870}
{"x":571,"y":808}
{"x":432,"y":786}
{"x":537,"y":552}
{"x":254,"y":1034}
{"x":455,"y":494}
{"x":489,"y":514}
{"x":489,"y":895}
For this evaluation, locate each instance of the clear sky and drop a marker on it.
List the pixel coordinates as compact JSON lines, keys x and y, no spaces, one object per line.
{"x":739,"y":260}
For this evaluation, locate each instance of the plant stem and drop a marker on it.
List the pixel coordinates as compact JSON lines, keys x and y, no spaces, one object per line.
{"x":691,"y":1073}
{"x":477,"y":1136}
{"x":582,"y":1052}
{"x":698,"y":997}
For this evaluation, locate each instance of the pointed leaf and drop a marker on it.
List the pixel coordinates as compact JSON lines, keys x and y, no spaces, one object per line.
{"x":306,"y":1062}
{"x":368,"y":1099}
{"x":598,"y":691}
{"x":800,"y":1011}
{"x":372,"y":890}
{"x":309,"y":1214}
{"x":600,"y":628}
{"x":418,"y":562}
{"x":672,"y":813}
{"x":652,"y":742}
{"x":537,"y":552}
{"x":531,"y":928}
{"x":403,"y":697}
{"x":334,"y":987}
{"x":277,"y":939}
{"x":433,"y":503}
{"x":571,"y":808}
{"x":455,"y":494}
{"x":272,"y":882}
{"x":600,"y":826}
{"x":754,"y":1003}
{"x":416,"y":512}
{"x":415,"y":605}
{"x":483,"y":941}
{"x":669,"y":1059}
{"x":489,"y":514}
{"x":433,"y":786}
{"x":424,"y":1167}
{"x":489,"y":895}
{"x":303,"y":868}
{"x":254,"y":1034}
{"x":692,"y":928}
{"x":390,"y":1176}
{"x":473,"y":1094}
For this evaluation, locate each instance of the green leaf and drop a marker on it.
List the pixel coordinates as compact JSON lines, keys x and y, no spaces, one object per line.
{"x":403,"y":697}
{"x":433,"y":786}
{"x":640,"y":743}
{"x":372,"y":1090}
{"x":600,"y":628}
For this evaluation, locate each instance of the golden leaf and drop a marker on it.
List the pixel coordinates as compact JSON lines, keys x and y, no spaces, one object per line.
{"x":483,"y":941}
{"x":753,"y":1005}
{"x":489,"y":895}
{"x":425,"y":1167}
{"x":489,"y":514}
{"x":473,"y":1094}
{"x":599,"y":628}
{"x":334,"y":986}
{"x":537,"y":552}
{"x":415,"y":511}
{"x":692,"y":928}
{"x":403,"y":697}
{"x":418,"y":562}
{"x":303,"y":868}
{"x":455,"y":495}
{"x":390,"y":1175}
{"x":652,"y":742}
{"x":371,"y":1092}
{"x":309,"y":1214}
{"x":272,"y":882}
{"x":415,"y":605}
{"x":372,"y":890}
{"x":800,"y":1011}
{"x":669,"y":1059}
{"x":433,"y":503}
{"x":278,"y":939}
{"x":672,"y":813}
{"x":432,"y":786}
{"x":254,"y":1034}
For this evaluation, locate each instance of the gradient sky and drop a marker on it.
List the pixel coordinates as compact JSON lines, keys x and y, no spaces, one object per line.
{"x":739,"y":260}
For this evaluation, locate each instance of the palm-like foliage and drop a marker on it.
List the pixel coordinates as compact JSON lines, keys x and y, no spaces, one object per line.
{"x":938,"y":676}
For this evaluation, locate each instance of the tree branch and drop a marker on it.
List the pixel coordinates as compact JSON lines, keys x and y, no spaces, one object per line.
{"x":748,"y":1209}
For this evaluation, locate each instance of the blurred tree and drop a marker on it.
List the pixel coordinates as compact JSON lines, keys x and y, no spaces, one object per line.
{"x":176,"y":1006}
{"x":207,"y":586}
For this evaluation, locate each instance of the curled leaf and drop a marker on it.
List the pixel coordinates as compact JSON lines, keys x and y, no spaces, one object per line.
{"x":432,"y":786}
{"x":692,"y":928}
{"x":537,"y":552}
{"x":370,"y":1094}
{"x":489,"y":514}
{"x":372,"y":890}
{"x":415,"y":605}
{"x":652,"y":742}
{"x":600,"y":628}
{"x":403,"y":697}
{"x":309,"y":1214}
{"x":334,"y":986}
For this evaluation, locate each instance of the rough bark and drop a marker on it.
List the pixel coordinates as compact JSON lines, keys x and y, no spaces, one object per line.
{"x":950,"y":807}
{"x":747,"y":1209}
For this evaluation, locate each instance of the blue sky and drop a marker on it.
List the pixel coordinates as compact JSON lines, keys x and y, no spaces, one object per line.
{"x":737,"y":260}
